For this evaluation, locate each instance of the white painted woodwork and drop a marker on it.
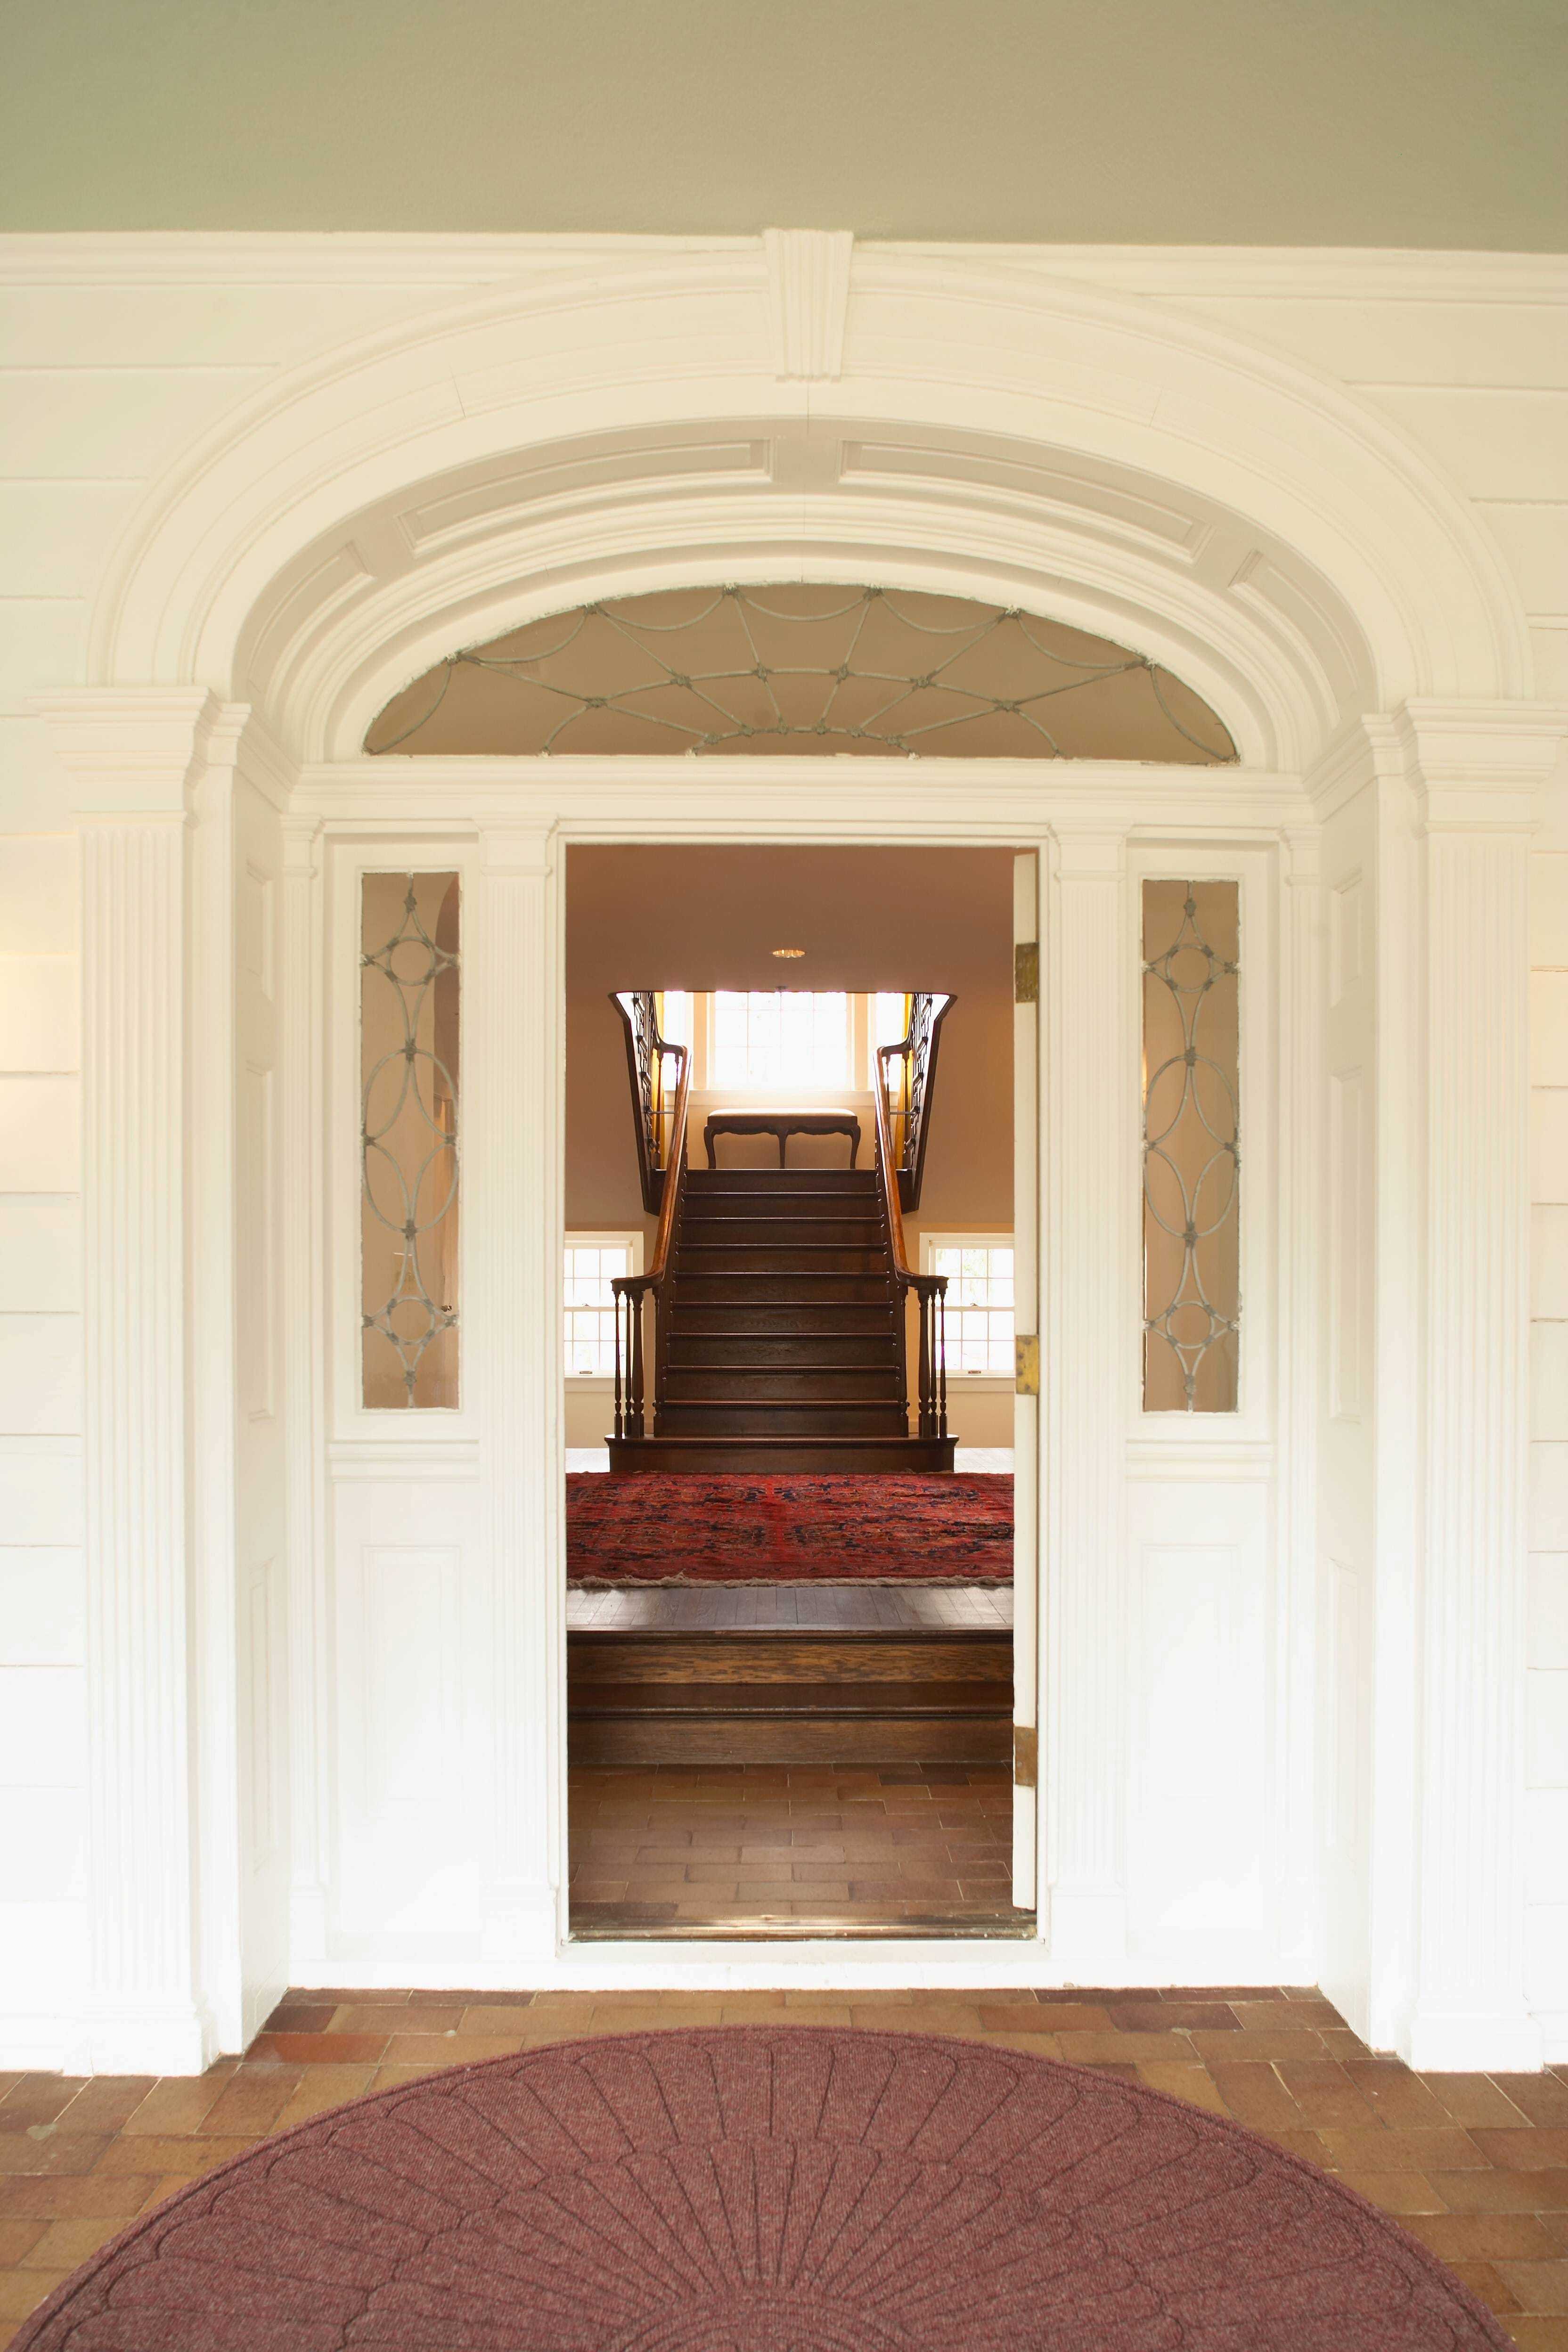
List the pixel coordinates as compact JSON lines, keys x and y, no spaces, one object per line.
{"x":1088,"y":1293}
{"x":334,"y":458}
{"x":1024,"y":1434}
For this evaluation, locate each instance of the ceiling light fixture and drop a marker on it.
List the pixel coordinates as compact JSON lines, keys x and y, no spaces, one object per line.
{"x":789,"y":954}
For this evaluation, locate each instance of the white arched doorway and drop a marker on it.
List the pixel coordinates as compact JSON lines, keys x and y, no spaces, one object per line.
{"x":794,"y":409}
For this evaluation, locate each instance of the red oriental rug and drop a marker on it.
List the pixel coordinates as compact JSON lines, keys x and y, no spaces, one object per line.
{"x":685,"y":1529}
{"x":762,"y":2189}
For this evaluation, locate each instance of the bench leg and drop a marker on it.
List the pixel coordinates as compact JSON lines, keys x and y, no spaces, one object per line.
{"x":784,"y":1143}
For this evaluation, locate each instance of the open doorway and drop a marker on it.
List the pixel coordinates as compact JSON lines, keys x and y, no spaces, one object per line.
{"x":792,"y":1298}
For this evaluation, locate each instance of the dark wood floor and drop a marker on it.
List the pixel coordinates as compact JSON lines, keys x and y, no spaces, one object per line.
{"x":1476,"y":2166}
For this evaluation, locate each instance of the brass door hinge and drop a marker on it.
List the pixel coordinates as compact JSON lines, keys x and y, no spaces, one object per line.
{"x":1027,"y":1365}
{"x":1026,"y":1755}
{"x":1027,"y":972}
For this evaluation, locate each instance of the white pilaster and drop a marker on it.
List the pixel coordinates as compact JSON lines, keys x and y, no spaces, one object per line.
{"x":1092,"y":1245}
{"x":302,"y":1193}
{"x":1475,"y":774}
{"x":1300,"y":1180}
{"x":512,"y":1193}
{"x":131,"y":758}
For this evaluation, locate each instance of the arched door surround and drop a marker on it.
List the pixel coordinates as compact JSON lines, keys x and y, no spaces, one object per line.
{"x":795,"y":407}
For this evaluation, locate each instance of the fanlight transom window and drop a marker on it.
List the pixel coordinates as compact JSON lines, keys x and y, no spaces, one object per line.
{"x":802,"y":667}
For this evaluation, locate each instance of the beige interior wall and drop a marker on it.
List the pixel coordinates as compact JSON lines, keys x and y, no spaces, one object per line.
{"x":870,"y":919}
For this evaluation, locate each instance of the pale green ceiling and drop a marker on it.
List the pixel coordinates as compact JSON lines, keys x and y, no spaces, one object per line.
{"x":1397,"y":122}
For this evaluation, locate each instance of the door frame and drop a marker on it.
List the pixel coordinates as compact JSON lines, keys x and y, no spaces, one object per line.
{"x":518,"y":816}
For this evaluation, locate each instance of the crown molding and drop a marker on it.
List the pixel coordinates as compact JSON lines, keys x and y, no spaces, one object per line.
{"x":458,"y":259}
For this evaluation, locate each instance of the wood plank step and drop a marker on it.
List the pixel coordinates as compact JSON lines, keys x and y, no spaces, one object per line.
{"x":977,"y":1655}
{"x":718,"y":1457}
{"x":782,"y":1384}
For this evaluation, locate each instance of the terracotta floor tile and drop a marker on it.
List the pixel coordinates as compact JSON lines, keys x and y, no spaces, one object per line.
{"x":1540,"y":2287}
{"x":1378,"y":2147}
{"x":1397,"y":2193}
{"x":1474,"y":2099}
{"x":22,"y":2290}
{"x":321,"y":2087}
{"x":18,"y":2238}
{"x":1542,"y":2098}
{"x":381,"y":2018}
{"x":1395,"y":2095}
{"x":320,"y":2049}
{"x":34,"y":2198}
{"x":252,"y":2101}
{"x":1265,"y":2047}
{"x":1324,"y":2091}
{"x":1482,"y":2237}
{"x":447,"y":2049}
{"x":1485,"y":2280}
{"x":38,"y":2099}
{"x":1538,"y":2191}
{"x":1172,"y":2016}
{"x":1255,"y":2095}
{"x":62,"y":2151}
{"x":1120,"y":2048}
{"x":1538,"y":2335}
{"x":1193,"y":2083}
{"x":171,"y":2158}
{"x":64,"y":2245}
{"x":301,"y":2017}
{"x":1528,"y":2149}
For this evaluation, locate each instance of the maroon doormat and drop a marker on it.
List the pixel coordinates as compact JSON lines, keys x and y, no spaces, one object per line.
{"x":773,"y":1530}
{"x":754,"y":2190}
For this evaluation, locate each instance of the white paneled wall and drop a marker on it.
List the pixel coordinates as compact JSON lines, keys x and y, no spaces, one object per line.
{"x":1547,"y":1702}
{"x":43,"y":1827}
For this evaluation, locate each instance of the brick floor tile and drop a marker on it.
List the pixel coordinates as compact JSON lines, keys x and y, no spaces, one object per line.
{"x":1537,"y":2191}
{"x":1540,"y":2287}
{"x":1538,"y":2335}
{"x":22,"y":2290}
{"x":1527,"y":2149}
{"x":171,"y":2158}
{"x":320,"y":2049}
{"x":1542,"y":2098}
{"x":381,"y":2018}
{"x":32,"y":2197}
{"x":1486,"y":2281}
{"x":1254,"y":2095}
{"x":17,"y":2238}
{"x":1474,"y":2099}
{"x":1482,"y":2237}
{"x":1172,"y":2016}
{"x":65,"y":2244}
{"x":1380,"y":2147}
{"x":320,"y":2088}
{"x":177,"y":2103}
{"x":1229,"y":2049}
{"x":1120,"y":2048}
{"x":252,"y":2101}
{"x":1395,"y":2095}
{"x":1193,"y":2083}
{"x":38,"y":2099}
{"x":1324,"y":2091}
{"x":62,"y":2151}
{"x":447,"y":2049}
{"x":1397,"y":2193}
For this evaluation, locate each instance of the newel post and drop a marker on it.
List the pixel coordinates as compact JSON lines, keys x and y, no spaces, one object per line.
{"x":1475,"y":772}
{"x":136,"y":760}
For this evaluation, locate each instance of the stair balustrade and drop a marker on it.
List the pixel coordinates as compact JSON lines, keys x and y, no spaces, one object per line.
{"x":661,"y":1157}
{"x":910,"y":1108}
{"x":927,"y":1290}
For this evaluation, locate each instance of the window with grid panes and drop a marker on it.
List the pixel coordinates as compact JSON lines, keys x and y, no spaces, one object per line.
{"x":592,"y":1262}
{"x":781,"y":1037}
{"x":979,"y":1303}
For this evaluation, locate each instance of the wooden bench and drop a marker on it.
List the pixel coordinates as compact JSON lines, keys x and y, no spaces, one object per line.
{"x":782,"y":1124}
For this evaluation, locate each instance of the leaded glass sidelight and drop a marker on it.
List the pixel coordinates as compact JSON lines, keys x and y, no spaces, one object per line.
{"x":1192,"y":1215}
{"x":409,"y":1050}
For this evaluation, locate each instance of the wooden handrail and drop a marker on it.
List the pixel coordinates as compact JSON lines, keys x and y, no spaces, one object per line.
{"x":911,"y":1164}
{"x":887,"y":1168}
{"x":629,"y":1290}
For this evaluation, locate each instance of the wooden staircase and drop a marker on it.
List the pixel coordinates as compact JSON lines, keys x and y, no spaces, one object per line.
{"x":780,"y":1341}
{"x":729,"y":1697}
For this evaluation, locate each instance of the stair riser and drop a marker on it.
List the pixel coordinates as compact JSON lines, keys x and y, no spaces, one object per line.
{"x":780,"y":1236}
{"x":781,"y":1421}
{"x":782,"y":1457}
{"x":737,"y":1739}
{"x":781,"y":1289}
{"x":751,"y":1351}
{"x":743,"y":1320}
{"x":764,"y":1386}
{"x":722,"y":1660}
{"x":700,"y":1182}
{"x":774,"y":1257}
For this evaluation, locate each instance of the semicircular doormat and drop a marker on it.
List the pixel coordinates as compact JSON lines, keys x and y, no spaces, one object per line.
{"x":753,"y":2190}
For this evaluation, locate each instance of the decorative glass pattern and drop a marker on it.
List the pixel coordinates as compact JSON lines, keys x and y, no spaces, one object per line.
{"x":979,"y":1305}
{"x":1191,"y":1161}
{"x":591,"y":1267}
{"x":802,"y":667}
{"x":409,"y":1044}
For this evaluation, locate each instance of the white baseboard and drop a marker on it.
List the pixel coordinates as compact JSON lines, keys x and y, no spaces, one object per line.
{"x":1474,"y":2041}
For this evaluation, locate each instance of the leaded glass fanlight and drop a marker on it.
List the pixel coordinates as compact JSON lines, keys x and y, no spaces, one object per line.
{"x":803,"y":668}
{"x":409,"y":1142}
{"x":1192,"y":1158}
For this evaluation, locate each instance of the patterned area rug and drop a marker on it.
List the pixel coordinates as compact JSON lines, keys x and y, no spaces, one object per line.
{"x":759,"y":2190}
{"x":772,"y":1530}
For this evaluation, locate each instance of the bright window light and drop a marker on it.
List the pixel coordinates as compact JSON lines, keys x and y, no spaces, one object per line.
{"x":890,"y":1020}
{"x":979,"y":1303}
{"x":783,"y":1037}
{"x":674,"y":1025}
{"x":591,"y":1267}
